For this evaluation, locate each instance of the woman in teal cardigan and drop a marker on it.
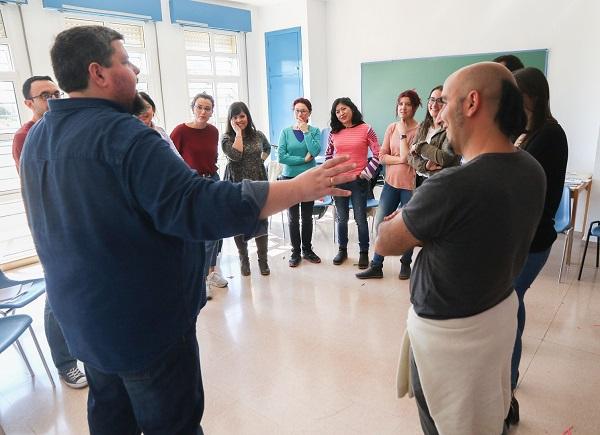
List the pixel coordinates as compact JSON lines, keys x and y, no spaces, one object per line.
{"x":298,"y":147}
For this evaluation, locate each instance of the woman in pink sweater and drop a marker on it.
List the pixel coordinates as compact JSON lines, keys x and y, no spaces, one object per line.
{"x":351,"y":136}
{"x":399,"y":175}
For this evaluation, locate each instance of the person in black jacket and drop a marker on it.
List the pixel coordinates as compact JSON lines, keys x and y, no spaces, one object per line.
{"x":545,"y":140}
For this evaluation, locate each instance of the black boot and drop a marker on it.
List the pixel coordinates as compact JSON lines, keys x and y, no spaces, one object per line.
{"x":261,"y":248}
{"x":341,"y":256}
{"x":295,"y":258}
{"x":513,"y":412}
{"x":363,"y":260}
{"x":244,"y":265}
{"x":404,"y":271}
{"x":310,"y":255}
{"x":374,"y":271}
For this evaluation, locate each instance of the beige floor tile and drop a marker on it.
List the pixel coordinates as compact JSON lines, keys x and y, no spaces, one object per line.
{"x":313,"y":350}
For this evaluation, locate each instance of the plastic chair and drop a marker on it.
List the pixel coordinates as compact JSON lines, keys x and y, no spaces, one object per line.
{"x":320,"y":208}
{"x":28,"y":290}
{"x":563,"y":224}
{"x":11,"y":328}
{"x":593,"y":231}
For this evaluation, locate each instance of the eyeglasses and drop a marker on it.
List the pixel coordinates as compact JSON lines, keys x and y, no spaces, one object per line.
{"x":203,"y":108}
{"x":300,"y":111}
{"x":48,"y":95}
{"x":441,"y":101}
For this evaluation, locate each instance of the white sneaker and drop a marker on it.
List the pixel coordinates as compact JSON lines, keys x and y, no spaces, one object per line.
{"x":217,"y":280}
{"x":209,"y":291}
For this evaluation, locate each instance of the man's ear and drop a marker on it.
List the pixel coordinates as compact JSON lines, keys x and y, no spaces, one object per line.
{"x":97,"y":75}
{"x":29,"y":103}
{"x":472,"y":103}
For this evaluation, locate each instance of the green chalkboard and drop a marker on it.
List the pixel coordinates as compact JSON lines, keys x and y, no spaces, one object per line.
{"x":383,"y":81}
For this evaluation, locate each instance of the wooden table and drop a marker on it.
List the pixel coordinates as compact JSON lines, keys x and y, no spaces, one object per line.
{"x":576,"y":189}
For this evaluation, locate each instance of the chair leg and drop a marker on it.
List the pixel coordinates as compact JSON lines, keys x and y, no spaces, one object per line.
{"x":597,"y":250}
{"x":587,"y":241}
{"x":562,"y":260}
{"x":37,"y":346}
{"x":283,"y":227}
{"x":20,"y":349}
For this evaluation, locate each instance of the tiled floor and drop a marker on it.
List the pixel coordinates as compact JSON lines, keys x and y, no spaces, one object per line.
{"x":313,"y":350}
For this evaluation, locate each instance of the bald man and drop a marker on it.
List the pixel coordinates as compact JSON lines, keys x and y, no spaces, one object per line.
{"x":475,"y":223}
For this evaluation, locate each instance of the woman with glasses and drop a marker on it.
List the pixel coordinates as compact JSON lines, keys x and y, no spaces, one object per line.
{"x":246,"y":149}
{"x":298,"y":147}
{"x":546,"y":141}
{"x":147,"y":117}
{"x":198,"y":143}
{"x":399,"y":175}
{"x":350,"y":135}
{"x":431,"y":150}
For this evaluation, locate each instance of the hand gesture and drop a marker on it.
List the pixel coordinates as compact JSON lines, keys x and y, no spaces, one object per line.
{"x":236,"y":128}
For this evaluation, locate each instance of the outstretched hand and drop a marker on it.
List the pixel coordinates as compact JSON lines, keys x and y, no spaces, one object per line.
{"x":321,"y":181}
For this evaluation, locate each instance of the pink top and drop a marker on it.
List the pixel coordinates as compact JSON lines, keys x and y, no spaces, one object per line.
{"x":356,"y":141}
{"x":394,"y":155}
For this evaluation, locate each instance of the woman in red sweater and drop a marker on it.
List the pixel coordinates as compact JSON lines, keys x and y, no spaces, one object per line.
{"x":198,"y":142}
{"x":350,"y":135}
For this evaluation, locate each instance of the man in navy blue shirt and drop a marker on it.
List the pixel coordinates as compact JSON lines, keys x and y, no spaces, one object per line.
{"x":117,"y":220}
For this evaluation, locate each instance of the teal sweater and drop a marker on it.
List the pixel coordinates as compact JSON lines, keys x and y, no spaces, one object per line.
{"x":292,"y":152}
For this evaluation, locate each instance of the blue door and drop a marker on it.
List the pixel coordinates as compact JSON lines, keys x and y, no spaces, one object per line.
{"x":283,"y":50}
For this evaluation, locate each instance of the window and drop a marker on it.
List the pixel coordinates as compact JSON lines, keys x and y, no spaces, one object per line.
{"x":214,"y":66}
{"x":15,"y":239}
{"x":133,"y":40}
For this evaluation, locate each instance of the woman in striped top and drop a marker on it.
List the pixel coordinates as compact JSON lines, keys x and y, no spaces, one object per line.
{"x":399,"y":175}
{"x":350,"y":135}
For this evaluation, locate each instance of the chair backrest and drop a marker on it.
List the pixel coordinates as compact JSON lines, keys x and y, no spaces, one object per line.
{"x":562,"y":219}
{"x":6,"y":282}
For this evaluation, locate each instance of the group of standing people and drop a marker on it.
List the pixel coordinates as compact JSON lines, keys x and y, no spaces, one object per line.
{"x":161,"y":213}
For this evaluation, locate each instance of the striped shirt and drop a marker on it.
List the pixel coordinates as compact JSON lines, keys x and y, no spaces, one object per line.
{"x":355,"y":142}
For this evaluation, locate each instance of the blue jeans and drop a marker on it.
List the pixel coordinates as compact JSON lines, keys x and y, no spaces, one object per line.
{"x":533,"y":265}
{"x":61,"y":356}
{"x":212,"y":247}
{"x":390,"y":199}
{"x":165,"y":398}
{"x":360,"y":191}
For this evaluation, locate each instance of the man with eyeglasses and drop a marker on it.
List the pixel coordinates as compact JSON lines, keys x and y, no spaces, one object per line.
{"x":37,"y":90}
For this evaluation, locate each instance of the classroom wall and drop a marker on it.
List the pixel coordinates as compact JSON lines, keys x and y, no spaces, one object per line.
{"x":397,"y":30}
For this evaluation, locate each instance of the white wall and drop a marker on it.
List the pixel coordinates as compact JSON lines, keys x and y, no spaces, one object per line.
{"x":397,"y":30}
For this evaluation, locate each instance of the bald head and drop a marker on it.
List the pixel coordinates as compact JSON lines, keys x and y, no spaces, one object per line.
{"x":486,"y":98}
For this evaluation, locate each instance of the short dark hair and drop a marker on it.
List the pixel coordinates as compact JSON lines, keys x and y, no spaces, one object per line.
{"x":510,"y":117}
{"x":532,"y":82}
{"x":205,"y":96}
{"x":234,"y":110}
{"x":148,"y":100}
{"x":412,"y":95}
{"x":75,"y":49}
{"x":511,"y":62}
{"x":29,"y":81}
{"x":335,"y":123}
{"x":304,"y":101}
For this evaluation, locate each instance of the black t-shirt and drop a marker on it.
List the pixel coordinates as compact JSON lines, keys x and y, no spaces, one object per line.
{"x":476,"y":223}
{"x":549,"y":147}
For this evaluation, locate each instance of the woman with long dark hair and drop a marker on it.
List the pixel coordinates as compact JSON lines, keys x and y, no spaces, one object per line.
{"x":298,"y":147}
{"x":545,"y":140}
{"x":431,"y":151}
{"x":399,"y":175}
{"x":246,"y":149}
{"x":350,"y":135}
